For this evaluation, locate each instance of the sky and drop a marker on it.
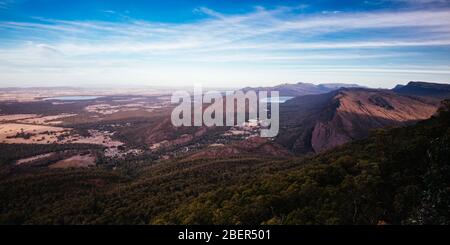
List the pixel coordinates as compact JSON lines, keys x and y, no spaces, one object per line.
{"x":223,"y":43}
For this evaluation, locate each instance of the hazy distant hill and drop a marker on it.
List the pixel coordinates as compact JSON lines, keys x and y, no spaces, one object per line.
{"x":299,"y":89}
{"x":315,"y":123}
{"x":434,"y":90}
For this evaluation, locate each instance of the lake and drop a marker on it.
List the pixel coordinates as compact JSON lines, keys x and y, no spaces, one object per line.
{"x":81,"y":97}
{"x":280,"y":99}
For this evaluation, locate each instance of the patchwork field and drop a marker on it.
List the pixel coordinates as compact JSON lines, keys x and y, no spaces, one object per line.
{"x":116,"y":123}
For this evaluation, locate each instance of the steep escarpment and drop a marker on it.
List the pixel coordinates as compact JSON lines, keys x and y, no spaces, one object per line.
{"x":326,"y":121}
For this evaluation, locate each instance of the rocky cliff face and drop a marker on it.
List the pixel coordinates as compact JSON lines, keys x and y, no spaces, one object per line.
{"x":326,"y":121}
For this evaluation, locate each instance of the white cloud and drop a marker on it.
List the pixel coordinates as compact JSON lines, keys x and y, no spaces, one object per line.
{"x":4,"y":4}
{"x":263,"y":37}
{"x":423,"y":1}
{"x":108,"y":11}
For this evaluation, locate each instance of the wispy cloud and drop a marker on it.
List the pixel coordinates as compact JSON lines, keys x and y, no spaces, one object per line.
{"x":242,"y":31}
{"x":108,"y":11}
{"x":423,"y":1}
{"x":276,"y":36}
{"x":4,"y":4}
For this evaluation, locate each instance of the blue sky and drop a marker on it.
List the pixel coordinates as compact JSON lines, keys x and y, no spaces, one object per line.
{"x":233,"y":43}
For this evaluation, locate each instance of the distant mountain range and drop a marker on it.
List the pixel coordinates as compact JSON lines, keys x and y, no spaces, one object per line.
{"x":424,"y":89}
{"x":433,"y":90}
{"x":298,"y":89}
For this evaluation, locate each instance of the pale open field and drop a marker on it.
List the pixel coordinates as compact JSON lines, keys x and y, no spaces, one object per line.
{"x":39,"y":134}
{"x":46,"y":120}
{"x":34,"y":158}
{"x":19,"y":133}
{"x":77,"y":161}
{"x":96,"y":138}
{"x":14,"y":117}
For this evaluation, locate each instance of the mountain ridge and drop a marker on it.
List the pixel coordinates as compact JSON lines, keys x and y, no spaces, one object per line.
{"x":315,"y":123}
{"x":437,"y":91}
{"x":300,"y":88}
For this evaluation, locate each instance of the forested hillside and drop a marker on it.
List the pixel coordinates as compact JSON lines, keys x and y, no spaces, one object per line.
{"x":396,"y":176}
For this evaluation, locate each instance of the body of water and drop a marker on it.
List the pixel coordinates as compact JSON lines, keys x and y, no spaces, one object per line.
{"x":73,"y":98}
{"x":280,"y":99}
